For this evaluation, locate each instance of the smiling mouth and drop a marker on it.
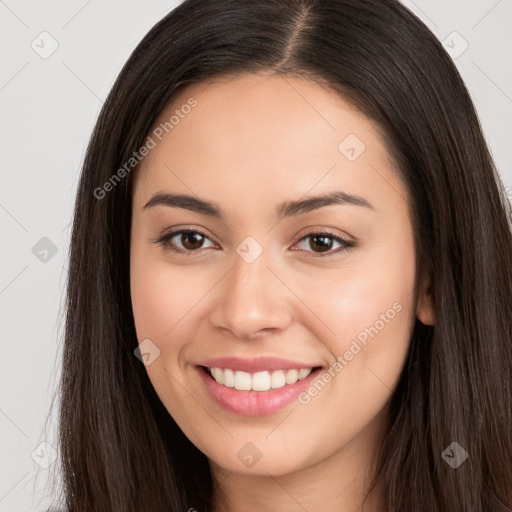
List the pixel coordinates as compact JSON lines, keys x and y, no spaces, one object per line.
{"x":258,"y":381}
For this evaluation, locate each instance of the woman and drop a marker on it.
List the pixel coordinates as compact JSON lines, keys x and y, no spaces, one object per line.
{"x":290,"y":283}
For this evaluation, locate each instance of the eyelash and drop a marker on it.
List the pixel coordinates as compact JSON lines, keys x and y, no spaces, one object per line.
{"x":164,"y":241}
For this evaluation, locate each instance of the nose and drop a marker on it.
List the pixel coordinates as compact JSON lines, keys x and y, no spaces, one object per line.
{"x":252,"y":301}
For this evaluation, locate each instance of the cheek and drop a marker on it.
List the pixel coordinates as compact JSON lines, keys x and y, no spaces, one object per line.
{"x":369,"y":309}
{"x":374,"y":308}
{"x":158,"y":296}
{"x":153,"y":305}
{"x":162,"y":304}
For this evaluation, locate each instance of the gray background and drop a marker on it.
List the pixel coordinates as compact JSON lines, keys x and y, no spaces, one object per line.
{"x":49,"y":104}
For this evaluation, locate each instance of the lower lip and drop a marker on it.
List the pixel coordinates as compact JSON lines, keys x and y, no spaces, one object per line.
{"x":255,"y":403}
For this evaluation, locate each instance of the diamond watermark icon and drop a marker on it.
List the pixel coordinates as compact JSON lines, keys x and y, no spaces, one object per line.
{"x":44,"y":455}
{"x":44,"y":45}
{"x":351,"y":147}
{"x":454,"y":455}
{"x":249,"y":249}
{"x":455,"y":45}
{"x":147,"y":352}
{"x":249,"y":454}
{"x":44,"y":250}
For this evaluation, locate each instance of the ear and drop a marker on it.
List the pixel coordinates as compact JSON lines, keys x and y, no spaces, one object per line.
{"x":425,"y":310}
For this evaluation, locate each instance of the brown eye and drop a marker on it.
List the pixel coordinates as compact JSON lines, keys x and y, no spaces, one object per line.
{"x":321,"y":244}
{"x":191,"y":240}
{"x":185,"y":241}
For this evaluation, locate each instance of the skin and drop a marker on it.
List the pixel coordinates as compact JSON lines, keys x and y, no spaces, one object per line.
{"x":252,"y":142}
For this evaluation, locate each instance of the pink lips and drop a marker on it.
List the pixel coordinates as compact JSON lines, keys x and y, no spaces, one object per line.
{"x":254,"y":403}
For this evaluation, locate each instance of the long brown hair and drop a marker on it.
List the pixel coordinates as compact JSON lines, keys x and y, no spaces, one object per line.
{"x":120,"y":449}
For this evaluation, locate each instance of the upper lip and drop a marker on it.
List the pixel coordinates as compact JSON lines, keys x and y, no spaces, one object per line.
{"x":256,"y":364}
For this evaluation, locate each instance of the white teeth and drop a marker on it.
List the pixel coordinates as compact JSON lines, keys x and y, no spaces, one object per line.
{"x":304,"y":373}
{"x":242,"y":381}
{"x":228,"y":378}
{"x":218,"y":375}
{"x":292,"y":376}
{"x":278,"y":379}
{"x":259,"y":381}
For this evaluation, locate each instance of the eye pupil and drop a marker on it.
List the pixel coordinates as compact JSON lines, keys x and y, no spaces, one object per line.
{"x":190,"y":238}
{"x":321,"y":241}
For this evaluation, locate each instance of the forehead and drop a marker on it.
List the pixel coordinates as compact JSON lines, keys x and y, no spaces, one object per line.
{"x":250,"y":134}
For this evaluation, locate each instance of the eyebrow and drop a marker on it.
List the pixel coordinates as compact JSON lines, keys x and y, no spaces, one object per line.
{"x":285,"y":209}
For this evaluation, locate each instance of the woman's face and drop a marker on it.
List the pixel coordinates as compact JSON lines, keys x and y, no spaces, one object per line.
{"x":264,"y":277}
